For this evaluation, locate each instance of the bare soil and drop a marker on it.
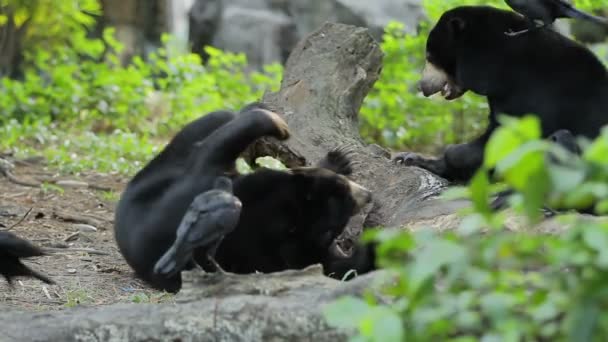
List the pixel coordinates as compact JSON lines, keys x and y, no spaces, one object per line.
{"x":76,"y":225}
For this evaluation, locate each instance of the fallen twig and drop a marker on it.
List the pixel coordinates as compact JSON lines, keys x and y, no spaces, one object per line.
{"x":77,"y":218}
{"x":18,"y":222}
{"x":74,"y":249}
{"x":46,"y":292}
{"x":84,"y":184}
{"x":71,"y":236}
{"x":6,"y":170}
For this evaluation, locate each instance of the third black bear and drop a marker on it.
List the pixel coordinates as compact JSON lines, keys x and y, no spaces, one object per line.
{"x":541,"y":73}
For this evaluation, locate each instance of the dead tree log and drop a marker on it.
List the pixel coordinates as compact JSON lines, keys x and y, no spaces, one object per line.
{"x":326,"y":79}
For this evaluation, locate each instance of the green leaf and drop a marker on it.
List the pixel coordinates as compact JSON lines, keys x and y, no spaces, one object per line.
{"x":434,"y":255}
{"x":270,"y":163}
{"x":242,"y":167}
{"x":500,"y":145}
{"x":598,"y":150}
{"x":480,"y":191}
{"x":601,"y":207}
{"x":507,"y":138}
{"x":584,"y":322}
{"x":346,"y":312}
{"x":564,"y":179}
{"x":497,"y":304}
{"x":382,"y":324}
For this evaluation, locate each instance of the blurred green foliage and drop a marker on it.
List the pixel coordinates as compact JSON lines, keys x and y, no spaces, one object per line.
{"x":44,"y":25}
{"x":483,"y":282}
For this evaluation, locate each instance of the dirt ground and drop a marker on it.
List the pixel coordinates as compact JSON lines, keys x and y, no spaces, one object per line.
{"x":76,"y":226}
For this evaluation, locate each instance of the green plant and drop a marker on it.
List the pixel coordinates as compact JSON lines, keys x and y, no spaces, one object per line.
{"x":110,"y":196}
{"x":77,"y":297}
{"x":30,"y":26}
{"x":86,"y":114}
{"x":500,"y":285}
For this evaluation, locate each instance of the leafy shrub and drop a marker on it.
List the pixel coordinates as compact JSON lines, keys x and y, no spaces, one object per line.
{"x":120,"y":108}
{"x":501,"y":285}
{"x":32,"y":25}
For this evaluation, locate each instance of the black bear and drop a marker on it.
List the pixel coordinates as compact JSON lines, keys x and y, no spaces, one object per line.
{"x":12,"y":250}
{"x":288,"y":219}
{"x":541,"y":73}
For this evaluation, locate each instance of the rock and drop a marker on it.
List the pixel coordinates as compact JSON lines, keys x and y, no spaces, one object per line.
{"x":265,"y":36}
{"x":138,"y":24}
{"x":309,"y":15}
{"x":250,"y":4}
{"x":267,"y":30}
{"x":85,"y":228}
{"x":375,"y":15}
{"x":203,"y":21}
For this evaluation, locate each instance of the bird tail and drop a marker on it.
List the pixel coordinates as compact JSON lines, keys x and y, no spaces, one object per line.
{"x":572,"y":12}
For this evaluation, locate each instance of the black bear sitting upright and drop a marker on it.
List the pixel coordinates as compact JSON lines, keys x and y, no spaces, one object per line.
{"x":541,"y":73}
{"x":288,"y":219}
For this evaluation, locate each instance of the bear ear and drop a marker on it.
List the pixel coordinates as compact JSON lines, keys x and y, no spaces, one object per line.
{"x":456,"y":26}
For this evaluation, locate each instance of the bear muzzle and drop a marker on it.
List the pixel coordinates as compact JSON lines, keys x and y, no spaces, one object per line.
{"x":435,"y":80}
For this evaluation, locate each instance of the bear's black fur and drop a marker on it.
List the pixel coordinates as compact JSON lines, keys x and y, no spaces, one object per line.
{"x":540,"y":72}
{"x":288,"y":218}
{"x":12,"y":250}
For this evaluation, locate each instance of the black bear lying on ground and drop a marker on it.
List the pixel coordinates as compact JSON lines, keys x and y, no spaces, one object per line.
{"x":540,"y":72}
{"x":12,"y":250}
{"x":288,"y":219}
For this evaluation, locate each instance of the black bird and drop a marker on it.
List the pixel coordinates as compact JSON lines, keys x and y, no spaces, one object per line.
{"x":12,"y":250}
{"x":211,"y":216}
{"x":547,"y":11}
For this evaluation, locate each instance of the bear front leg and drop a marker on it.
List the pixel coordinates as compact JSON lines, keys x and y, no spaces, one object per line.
{"x":458,"y":163}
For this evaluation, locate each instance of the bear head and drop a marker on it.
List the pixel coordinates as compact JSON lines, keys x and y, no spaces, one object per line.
{"x":463,"y":42}
{"x":326,"y":201}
